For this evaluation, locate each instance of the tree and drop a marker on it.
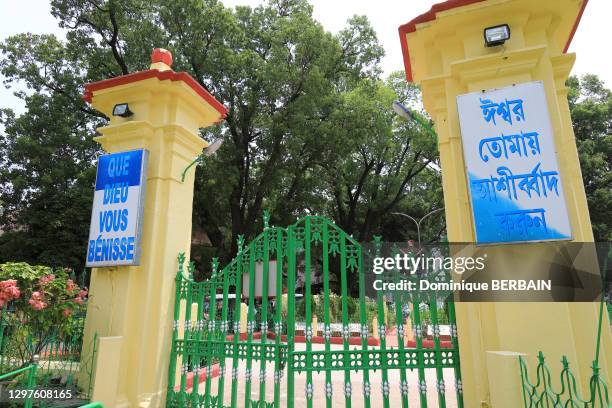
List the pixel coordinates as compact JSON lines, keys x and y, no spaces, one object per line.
{"x":274,"y":66}
{"x":379,"y":160}
{"x":309,"y":129}
{"x":591,"y":109}
{"x":46,"y":157}
{"x":281,"y":77}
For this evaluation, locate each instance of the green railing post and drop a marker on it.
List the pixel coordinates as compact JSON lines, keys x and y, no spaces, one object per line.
{"x":264,"y":310}
{"x":401,"y":330}
{"x":363,"y":317}
{"x":326,"y":317}
{"x":308,"y":300}
{"x":456,"y":363}
{"x":31,"y":379}
{"x":251,"y":322}
{"x":382,"y":333}
{"x":175,"y":327}
{"x":94,"y":350}
{"x":347,"y":386}
{"x":237,"y":307}
{"x":210,"y":328}
{"x":223,"y":336}
{"x":291,"y":265}
{"x":278,"y":325}
{"x":416,"y":308}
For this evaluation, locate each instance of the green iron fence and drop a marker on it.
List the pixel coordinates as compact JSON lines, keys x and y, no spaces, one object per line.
{"x":543,"y":393}
{"x":63,"y":361}
{"x":271,"y":360}
{"x":30,"y":372}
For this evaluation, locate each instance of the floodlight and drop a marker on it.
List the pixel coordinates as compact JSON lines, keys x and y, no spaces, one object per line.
{"x":123,"y":110}
{"x":496,"y":35}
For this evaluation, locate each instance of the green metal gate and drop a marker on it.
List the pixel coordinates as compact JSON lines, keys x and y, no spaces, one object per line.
{"x":279,"y":361}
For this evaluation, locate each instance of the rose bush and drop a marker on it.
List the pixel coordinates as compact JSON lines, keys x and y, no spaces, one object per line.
{"x":38,"y":305}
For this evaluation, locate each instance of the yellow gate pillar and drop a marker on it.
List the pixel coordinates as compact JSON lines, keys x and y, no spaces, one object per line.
{"x":136,"y":303}
{"x":444,"y":52}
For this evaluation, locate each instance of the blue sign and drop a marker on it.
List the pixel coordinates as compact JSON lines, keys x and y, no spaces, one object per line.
{"x":116,"y":217}
{"x":514,"y":181}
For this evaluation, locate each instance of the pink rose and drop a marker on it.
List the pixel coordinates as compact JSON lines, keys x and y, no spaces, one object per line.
{"x":37,"y":301}
{"x":9,"y":291}
{"x":13,"y":292}
{"x":37,"y":304}
{"x":46,"y":279}
{"x":67,"y":312}
{"x":70,"y":285}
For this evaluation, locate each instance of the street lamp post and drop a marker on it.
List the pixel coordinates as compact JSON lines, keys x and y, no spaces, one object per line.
{"x":418,"y":223}
{"x":413,"y":116}
{"x":209,"y":151}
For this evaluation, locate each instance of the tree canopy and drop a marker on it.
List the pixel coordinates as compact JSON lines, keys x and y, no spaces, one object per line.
{"x":309,"y":128}
{"x":591,"y":108}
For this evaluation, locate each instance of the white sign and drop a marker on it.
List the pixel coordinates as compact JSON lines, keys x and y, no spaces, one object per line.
{"x":117,"y":213}
{"x":511,"y":162}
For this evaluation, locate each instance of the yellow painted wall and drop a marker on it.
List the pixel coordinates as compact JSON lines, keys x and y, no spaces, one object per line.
{"x":448,"y":58}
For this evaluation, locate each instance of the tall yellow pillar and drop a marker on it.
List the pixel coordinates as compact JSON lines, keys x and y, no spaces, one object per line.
{"x":444,"y":52}
{"x":136,"y":303}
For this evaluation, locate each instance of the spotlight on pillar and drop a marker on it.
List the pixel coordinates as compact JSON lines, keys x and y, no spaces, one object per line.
{"x":123,"y":110}
{"x":496,"y":35}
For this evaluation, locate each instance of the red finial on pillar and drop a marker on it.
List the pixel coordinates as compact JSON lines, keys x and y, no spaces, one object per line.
{"x":161,"y":56}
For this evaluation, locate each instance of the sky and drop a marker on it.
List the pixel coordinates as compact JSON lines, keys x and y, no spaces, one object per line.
{"x":385,"y":16}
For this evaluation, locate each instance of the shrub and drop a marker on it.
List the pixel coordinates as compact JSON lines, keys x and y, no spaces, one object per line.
{"x":38,"y":306}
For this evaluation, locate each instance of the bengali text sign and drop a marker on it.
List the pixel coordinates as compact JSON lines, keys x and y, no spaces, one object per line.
{"x":513,"y":175}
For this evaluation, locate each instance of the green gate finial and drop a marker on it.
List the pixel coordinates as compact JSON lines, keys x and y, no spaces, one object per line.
{"x":240,"y":243}
{"x":191,"y":269}
{"x":377,"y":243}
{"x":266,"y":219}
{"x":181,"y":263}
{"x":541,"y":357}
{"x":215,"y":266}
{"x":565,"y":362}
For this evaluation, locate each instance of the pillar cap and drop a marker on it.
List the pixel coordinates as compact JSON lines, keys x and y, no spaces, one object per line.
{"x":161,"y":61}
{"x":432,"y":15}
